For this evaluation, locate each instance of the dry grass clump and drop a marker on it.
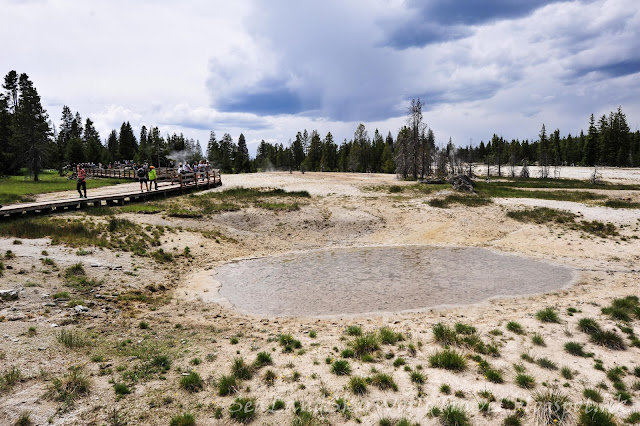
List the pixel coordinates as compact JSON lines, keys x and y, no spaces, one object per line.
{"x":70,"y":387}
{"x":552,"y":407}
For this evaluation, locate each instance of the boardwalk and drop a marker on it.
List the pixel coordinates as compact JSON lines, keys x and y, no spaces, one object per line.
{"x":168,"y":184}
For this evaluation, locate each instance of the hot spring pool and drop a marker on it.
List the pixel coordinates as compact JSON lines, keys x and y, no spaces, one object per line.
{"x":381,"y":279}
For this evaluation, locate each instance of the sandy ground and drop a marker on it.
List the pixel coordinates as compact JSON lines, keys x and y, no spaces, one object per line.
{"x":198,"y":328}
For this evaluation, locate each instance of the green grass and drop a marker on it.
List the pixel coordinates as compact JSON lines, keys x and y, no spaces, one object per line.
{"x":525,"y":381}
{"x":358,"y":385}
{"x":186,"y":419}
{"x":454,"y":415}
{"x":399,"y":362}
{"x":608,"y":339}
{"x":546,"y":363}
{"x":389,"y":337}
{"x":597,"y":228}
{"x":341,"y":368}
{"x":235,"y":199}
{"x":465,"y":200}
{"x":515,"y":327}
{"x":241,"y":370}
{"x":542,"y":215}
{"x":141,"y":208}
{"x":262,"y":359}
{"x":538,"y":340}
{"x":18,"y":189}
{"x":518,"y":182}
{"x":243,"y":410}
{"x":444,"y":334}
{"x":575,"y":348}
{"x":494,"y":376}
{"x":449,"y":360}
{"x":534,"y":188}
{"x":353,"y":330}
{"x":615,"y":374}
{"x":383,"y":382}
{"x":278,"y":404}
{"x":228,"y":385}
{"x":119,"y":234}
{"x":269,"y":377}
{"x":588,"y":325}
{"x":593,"y":395}
{"x":9,"y":378}
{"x":192,"y":382}
{"x":61,"y":295}
{"x":623,"y":309}
{"x":620,"y":204}
{"x":121,"y":389}
{"x":72,"y":339}
{"x":548,"y":314}
{"x":594,"y":415}
{"x":72,"y":386}
{"x":278,"y":207}
{"x":417,"y":377}
{"x":633,"y":418}
{"x":365,"y":344}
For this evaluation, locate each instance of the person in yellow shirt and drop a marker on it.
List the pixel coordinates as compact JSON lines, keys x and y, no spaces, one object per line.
{"x":153,"y":178}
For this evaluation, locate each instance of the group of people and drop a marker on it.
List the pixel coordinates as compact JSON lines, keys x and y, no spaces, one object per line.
{"x":147,"y":174}
{"x":202,"y":166}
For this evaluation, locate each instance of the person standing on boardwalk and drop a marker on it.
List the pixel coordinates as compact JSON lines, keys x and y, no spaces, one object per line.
{"x":142,"y":177}
{"x":82,"y":183}
{"x":153,"y":178}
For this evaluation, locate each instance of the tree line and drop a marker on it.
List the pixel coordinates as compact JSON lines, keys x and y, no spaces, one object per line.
{"x":28,"y":138}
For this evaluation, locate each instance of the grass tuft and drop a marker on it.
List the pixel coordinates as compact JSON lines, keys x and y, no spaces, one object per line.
{"x":552,"y":407}
{"x":192,"y":382}
{"x":548,"y":314}
{"x":454,"y":415}
{"x":243,"y":410}
{"x":608,"y":339}
{"x":449,"y":360}
{"x":358,"y":385}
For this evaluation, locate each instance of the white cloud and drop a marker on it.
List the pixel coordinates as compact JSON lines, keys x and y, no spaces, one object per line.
{"x":178,"y":64}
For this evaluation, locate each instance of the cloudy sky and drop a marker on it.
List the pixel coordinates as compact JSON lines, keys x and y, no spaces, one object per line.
{"x":272,"y":68}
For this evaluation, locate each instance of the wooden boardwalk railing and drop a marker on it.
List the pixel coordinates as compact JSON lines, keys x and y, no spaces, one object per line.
{"x":172,"y":184}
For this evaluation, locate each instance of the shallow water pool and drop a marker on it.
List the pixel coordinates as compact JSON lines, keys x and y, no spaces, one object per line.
{"x":381,"y":279}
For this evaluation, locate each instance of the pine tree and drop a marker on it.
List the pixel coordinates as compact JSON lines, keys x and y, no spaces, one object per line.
{"x":241,"y":160}
{"x":226,"y":153}
{"x":213,"y":150}
{"x":329,"y":161}
{"x":112,"y":152}
{"x":416,"y":127}
{"x":544,"y":153}
{"x":75,"y":152}
{"x":143,"y":148}
{"x":157,"y":147}
{"x":314,"y":156}
{"x":377,"y":149}
{"x":297,"y":150}
{"x":127,"y":143}
{"x":6,"y":118}
{"x":31,"y":129}
{"x":590,"y":149}
{"x":92,"y":143}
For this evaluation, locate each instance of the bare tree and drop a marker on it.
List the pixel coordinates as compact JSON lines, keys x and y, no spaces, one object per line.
{"x":417,"y":128}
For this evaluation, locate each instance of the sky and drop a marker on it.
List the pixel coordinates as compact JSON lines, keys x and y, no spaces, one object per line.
{"x":271,"y":68}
